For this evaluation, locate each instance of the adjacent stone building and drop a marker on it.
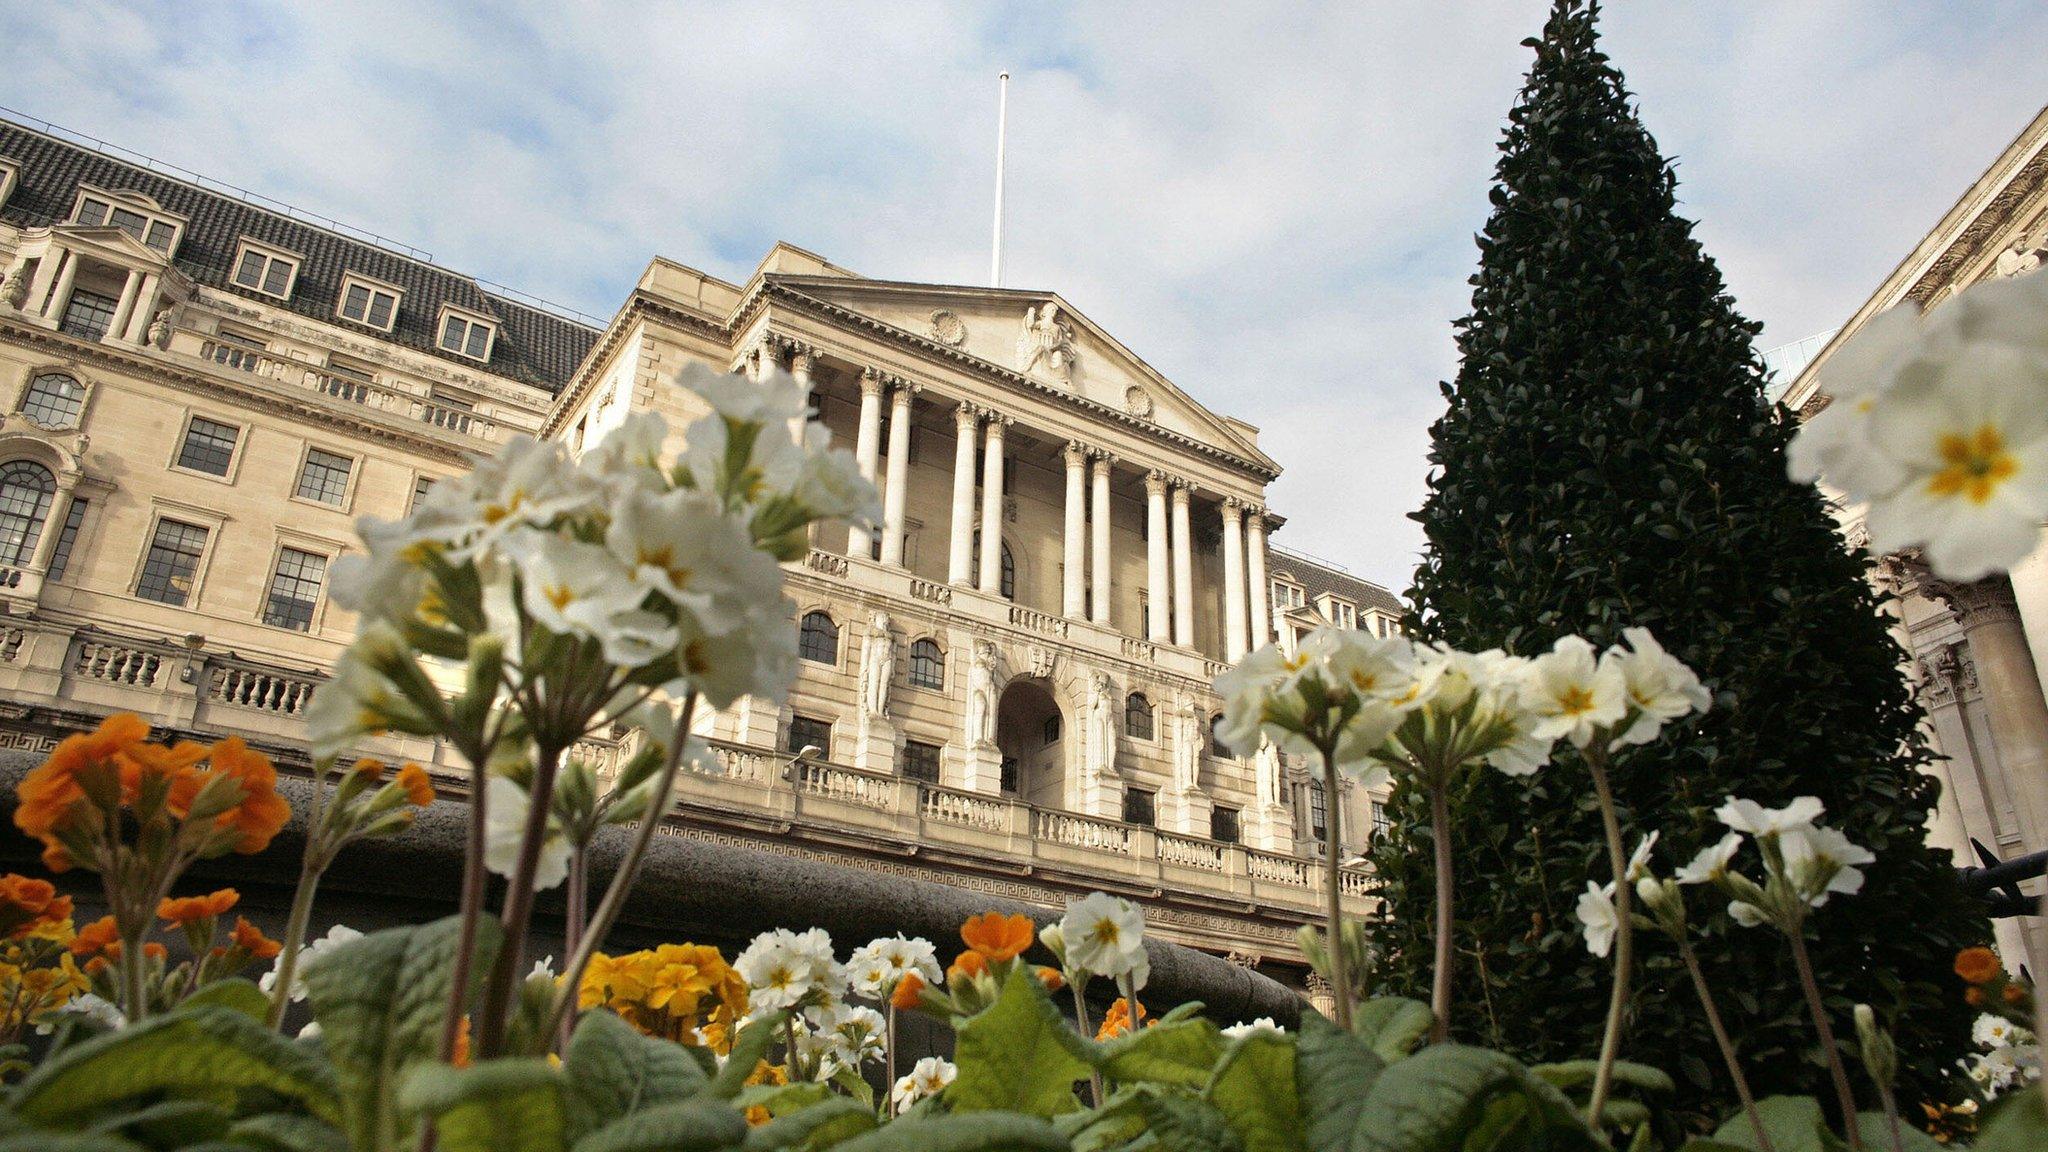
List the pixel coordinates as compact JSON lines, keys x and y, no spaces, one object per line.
{"x":1976,"y":649}
{"x":1005,"y":687}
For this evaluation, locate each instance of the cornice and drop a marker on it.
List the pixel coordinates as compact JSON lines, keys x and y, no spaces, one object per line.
{"x":639,"y":304}
{"x":277,"y":400}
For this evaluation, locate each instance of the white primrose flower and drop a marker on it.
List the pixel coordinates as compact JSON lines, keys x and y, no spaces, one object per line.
{"x":528,"y":483}
{"x":875,"y":968}
{"x":577,"y":589}
{"x":385,"y":582}
{"x":681,"y":546}
{"x":785,"y":969}
{"x":89,"y":1005}
{"x":1995,"y":1031}
{"x":505,"y":808}
{"x":1639,"y":863}
{"x":856,"y":1034}
{"x":1262,"y":1024}
{"x":356,"y":700}
{"x":1106,"y":935}
{"x":1748,"y":915}
{"x":1597,"y":913}
{"x":1254,"y":691}
{"x":777,"y":399}
{"x":830,"y":487}
{"x":1659,"y":687}
{"x":1571,"y":694}
{"x":629,"y":457}
{"x":1712,"y":862}
{"x":755,"y":657}
{"x":310,"y":957}
{"x":1759,"y":821}
{"x":1820,"y":860}
{"x":928,"y":1077}
{"x":1836,"y":443}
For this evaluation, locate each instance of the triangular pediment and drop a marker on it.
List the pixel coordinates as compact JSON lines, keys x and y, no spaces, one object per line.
{"x":1041,"y":337}
{"x":111,"y":240}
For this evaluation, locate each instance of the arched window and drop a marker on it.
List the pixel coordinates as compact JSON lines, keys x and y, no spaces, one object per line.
{"x":818,"y":639}
{"x":1137,"y":716}
{"x":26,"y":489}
{"x":1006,"y":582}
{"x":1217,"y":747}
{"x":54,"y":400}
{"x":927,"y":664}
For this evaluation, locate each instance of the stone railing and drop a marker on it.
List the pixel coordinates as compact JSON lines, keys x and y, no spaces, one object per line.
{"x":1286,"y":870}
{"x":1032,"y":620}
{"x":870,"y":789}
{"x":1081,"y":831}
{"x":952,"y":806}
{"x":118,"y":663}
{"x":931,"y":592}
{"x":350,"y":390}
{"x":264,"y":689}
{"x":1189,"y":853}
{"x":825,"y":562}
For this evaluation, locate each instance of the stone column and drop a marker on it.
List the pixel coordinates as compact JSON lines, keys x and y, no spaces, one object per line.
{"x":766,"y":358}
{"x":145,"y":310}
{"x":1233,"y":579}
{"x":1260,"y":589}
{"x":1073,"y":575}
{"x":124,"y":312}
{"x":960,"y":557}
{"x":1183,"y":569}
{"x":1158,"y":586}
{"x":61,"y":294}
{"x":867,"y":448}
{"x":53,"y":521}
{"x":1098,"y":548}
{"x":992,"y":506}
{"x":898,"y":495}
{"x":38,"y":300}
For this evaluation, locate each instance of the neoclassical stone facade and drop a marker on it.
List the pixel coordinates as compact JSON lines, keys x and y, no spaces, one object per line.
{"x":1005,"y":685}
{"x":1976,"y":650}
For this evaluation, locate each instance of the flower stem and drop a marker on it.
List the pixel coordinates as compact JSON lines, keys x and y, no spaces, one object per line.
{"x":1333,"y":843}
{"x":1891,"y":1116}
{"x":1624,"y":939}
{"x":889,"y":1058}
{"x":500,"y":990}
{"x":1843,"y":1093}
{"x":1727,"y":1046}
{"x":473,"y":882}
{"x":1076,"y":983}
{"x":294,"y":938}
{"x":1440,"y":988}
{"x":614,"y":901}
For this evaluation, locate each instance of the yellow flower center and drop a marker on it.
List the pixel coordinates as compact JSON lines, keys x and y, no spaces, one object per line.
{"x":1973,"y":465}
{"x":1575,"y":701}
{"x":496,"y":512}
{"x":1105,"y":931}
{"x":664,"y":558}
{"x":560,"y":596}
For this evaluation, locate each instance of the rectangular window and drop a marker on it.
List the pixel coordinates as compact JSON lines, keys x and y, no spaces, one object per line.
{"x":294,"y":589}
{"x":173,"y":560}
{"x":368,"y":304}
{"x":466,"y":337}
{"x":1380,"y":824}
{"x":921,"y":761}
{"x":92,"y":213}
{"x":67,"y":539}
{"x":158,"y":234}
{"x":1318,"y":812}
{"x":262,"y":272}
{"x":420,"y":487}
{"x":1223,"y":824}
{"x":209,"y":446}
{"x":808,"y":731}
{"x":88,"y":315}
{"x":324,"y":477}
{"x":1138,"y":807}
{"x":1009,"y":780}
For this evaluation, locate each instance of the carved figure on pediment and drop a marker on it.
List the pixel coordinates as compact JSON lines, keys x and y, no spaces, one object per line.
{"x":14,"y":289}
{"x":1046,"y":342}
{"x":877,"y":667}
{"x":981,"y":695}
{"x":160,"y":329}
{"x":1103,"y":726}
{"x":2021,"y":256}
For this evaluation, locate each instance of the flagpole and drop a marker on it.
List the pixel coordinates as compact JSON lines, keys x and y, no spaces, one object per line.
{"x":995,"y":264}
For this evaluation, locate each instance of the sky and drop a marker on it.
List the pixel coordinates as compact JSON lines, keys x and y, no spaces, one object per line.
{"x":1273,"y":204}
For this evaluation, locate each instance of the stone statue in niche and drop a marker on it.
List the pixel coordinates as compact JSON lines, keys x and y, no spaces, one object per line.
{"x":1187,"y":745}
{"x":1103,"y":725}
{"x":160,"y":329}
{"x":1266,"y":774}
{"x":1046,"y":342}
{"x":14,"y":289}
{"x":877,"y":667}
{"x":981,"y":696}
{"x":2021,"y":256}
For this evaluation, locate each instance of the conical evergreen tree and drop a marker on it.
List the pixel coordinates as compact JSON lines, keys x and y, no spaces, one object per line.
{"x":1609,"y":459}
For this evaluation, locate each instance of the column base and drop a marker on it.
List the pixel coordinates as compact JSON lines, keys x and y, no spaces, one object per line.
{"x":874,"y":748}
{"x":981,"y":769}
{"x":1186,"y":812}
{"x":1267,"y":828}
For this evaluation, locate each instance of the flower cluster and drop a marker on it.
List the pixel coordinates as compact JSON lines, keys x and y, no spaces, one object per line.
{"x":2010,"y":1055}
{"x":39,"y":976}
{"x":791,"y":970}
{"x":1123,"y":1016}
{"x":681,"y":992}
{"x":876,"y":968}
{"x":1805,"y":862}
{"x":1939,"y":423}
{"x":927,"y":1078}
{"x":310,"y":956}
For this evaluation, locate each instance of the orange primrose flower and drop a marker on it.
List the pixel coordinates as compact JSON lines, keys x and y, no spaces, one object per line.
{"x":151,"y":950}
{"x":2015,"y":994}
{"x":251,"y":939}
{"x":1051,"y":978}
{"x":48,"y":792}
{"x":27,"y":904}
{"x":184,"y":910}
{"x":1973,"y":996}
{"x":1978,"y":965}
{"x":97,"y":938}
{"x":908,"y":993}
{"x":262,"y":811}
{"x":1117,"y":1020}
{"x":372,"y":769}
{"x":998,"y":937}
{"x":419,"y":791}
{"x":968,"y":964}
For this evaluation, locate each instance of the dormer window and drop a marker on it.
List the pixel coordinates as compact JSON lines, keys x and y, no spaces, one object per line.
{"x":131,"y":212}
{"x":466,"y":333}
{"x":371,"y":303}
{"x":10,"y":177}
{"x":1339,"y":613}
{"x":261,"y":268}
{"x":1287,"y":595}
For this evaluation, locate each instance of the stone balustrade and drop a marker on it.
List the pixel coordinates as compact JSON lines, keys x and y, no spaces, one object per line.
{"x":376,"y":397}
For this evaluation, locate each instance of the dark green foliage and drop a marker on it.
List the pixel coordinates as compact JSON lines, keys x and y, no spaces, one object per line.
{"x":1609,"y":459}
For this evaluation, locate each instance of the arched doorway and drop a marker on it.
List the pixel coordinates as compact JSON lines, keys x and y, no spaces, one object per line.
{"x":1031,"y":733}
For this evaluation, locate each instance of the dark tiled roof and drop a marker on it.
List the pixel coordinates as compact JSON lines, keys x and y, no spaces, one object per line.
{"x":1317,"y":578}
{"x":533,"y":346}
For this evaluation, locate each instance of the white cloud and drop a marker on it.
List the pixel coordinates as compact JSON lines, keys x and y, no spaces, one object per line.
{"x":1273,"y":205}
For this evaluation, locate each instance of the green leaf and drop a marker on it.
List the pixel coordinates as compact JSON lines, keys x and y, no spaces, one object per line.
{"x":2018,"y":1123}
{"x":1794,"y":1124}
{"x":1336,"y":1072}
{"x":1580,"y":1074}
{"x":512,"y":1105}
{"x":1392,"y":1025}
{"x":202,"y":1052}
{"x":747,"y":1050}
{"x":241,"y":995}
{"x":282,"y":1132}
{"x":686,"y":1126}
{"x":1877,"y":1133}
{"x":1254,"y":1086}
{"x":782,"y":1099}
{"x":1187,"y":1123}
{"x":817,"y":1127}
{"x":169,"y":1124}
{"x":1184,"y":1052}
{"x":66,"y":1142}
{"x":614,"y":1071}
{"x":1424,"y":1103}
{"x":381,"y":1001}
{"x":972,"y":1132}
{"x":1017,"y":1054}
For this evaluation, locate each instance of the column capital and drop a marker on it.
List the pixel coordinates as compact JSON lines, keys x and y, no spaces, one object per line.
{"x":772,"y":344}
{"x":1103,"y":457}
{"x":1155,"y":482}
{"x":871,"y":381}
{"x":1076,"y":454}
{"x":905,"y":388}
{"x":802,"y":357}
{"x":1233,"y":509}
{"x":966,"y":414}
{"x":997,"y":421}
{"x":1182,"y":488}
